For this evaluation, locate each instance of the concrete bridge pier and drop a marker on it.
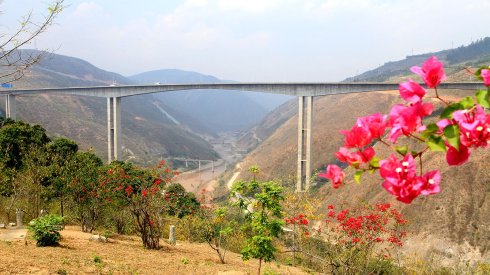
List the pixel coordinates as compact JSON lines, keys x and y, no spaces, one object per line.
{"x":10,"y":107}
{"x":305,"y":111}
{"x":113,"y":129}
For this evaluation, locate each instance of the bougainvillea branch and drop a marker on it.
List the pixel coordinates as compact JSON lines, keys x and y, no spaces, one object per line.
{"x":463,"y":127}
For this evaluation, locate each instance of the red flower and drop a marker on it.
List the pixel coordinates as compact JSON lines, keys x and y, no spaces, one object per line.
{"x":474,"y":127}
{"x":457,"y":157}
{"x":335,"y":174}
{"x":401,"y":179}
{"x":129,"y":190}
{"x":486,"y":76}
{"x":158,"y":181}
{"x":432,"y":72}
{"x":383,"y":207}
{"x":358,"y":136}
{"x":376,"y":123}
{"x":405,"y":120}
{"x":330,"y":207}
{"x":331,"y":214}
{"x":354,"y":158}
{"x":341,"y":216}
{"x":411,"y":91}
{"x":144,"y":193}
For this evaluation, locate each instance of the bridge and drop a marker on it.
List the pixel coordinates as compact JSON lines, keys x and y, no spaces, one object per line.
{"x":304,"y":91}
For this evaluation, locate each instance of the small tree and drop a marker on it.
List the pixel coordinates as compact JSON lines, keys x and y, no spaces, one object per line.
{"x":141,"y":191}
{"x":83,"y":188}
{"x":215,"y":228}
{"x":179,"y":202}
{"x":261,"y":202}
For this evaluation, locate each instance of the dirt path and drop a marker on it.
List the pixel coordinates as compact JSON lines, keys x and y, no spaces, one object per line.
{"x":13,"y":234}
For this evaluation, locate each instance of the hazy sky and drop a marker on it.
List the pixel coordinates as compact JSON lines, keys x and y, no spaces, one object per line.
{"x":254,"y":40}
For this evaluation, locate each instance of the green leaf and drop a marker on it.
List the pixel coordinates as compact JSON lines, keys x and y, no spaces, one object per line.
{"x":402,"y":149}
{"x":467,"y":102}
{"x":451,"y":132}
{"x":431,"y":129}
{"x":482,"y":97}
{"x":374,"y":162}
{"x":436,"y":144}
{"x":449,"y":110}
{"x":357,"y":176}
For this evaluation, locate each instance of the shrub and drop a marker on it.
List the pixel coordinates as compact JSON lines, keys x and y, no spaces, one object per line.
{"x":46,"y":230}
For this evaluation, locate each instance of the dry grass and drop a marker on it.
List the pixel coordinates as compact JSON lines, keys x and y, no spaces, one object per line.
{"x":121,"y":255}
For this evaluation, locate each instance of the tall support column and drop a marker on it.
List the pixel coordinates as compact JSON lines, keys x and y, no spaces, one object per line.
{"x":309,"y":116}
{"x":117,"y":128}
{"x":10,"y":107}
{"x":305,"y":108}
{"x":110,"y":130}
{"x":113,"y":128}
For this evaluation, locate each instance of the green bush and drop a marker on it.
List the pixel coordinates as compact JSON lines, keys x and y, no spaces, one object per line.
{"x":46,"y":230}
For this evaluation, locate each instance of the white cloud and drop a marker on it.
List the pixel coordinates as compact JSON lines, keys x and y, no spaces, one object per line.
{"x":88,"y":9}
{"x":253,"y":6}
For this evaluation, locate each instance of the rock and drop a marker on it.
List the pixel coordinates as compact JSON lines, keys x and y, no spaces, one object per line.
{"x":98,"y":238}
{"x":12,"y":224}
{"x":2,"y":226}
{"x":171,"y":235}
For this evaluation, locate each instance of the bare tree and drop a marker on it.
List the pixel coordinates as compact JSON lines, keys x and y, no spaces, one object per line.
{"x":13,"y":62}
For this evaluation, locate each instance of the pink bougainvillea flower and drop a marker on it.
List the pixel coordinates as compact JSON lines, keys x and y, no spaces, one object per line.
{"x":430,"y":182}
{"x":358,"y":136}
{"x":432,"y":72}
{"x":402,"y":181}
{"x":474,"y":127}
{"x":411,"y":91}
{"x":355,"y":158}
{"x":457,"y":157}
{"x":486,"y":76}
{"x":335,"y":174}
{"x":443,"y":123}
{"x":406,"y":120}
{"x":376,"y":123}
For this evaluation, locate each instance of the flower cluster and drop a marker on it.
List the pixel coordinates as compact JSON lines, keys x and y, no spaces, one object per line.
{"x":300,"y":219}
{"x":463,"y":126}
{"x":367,"y":225}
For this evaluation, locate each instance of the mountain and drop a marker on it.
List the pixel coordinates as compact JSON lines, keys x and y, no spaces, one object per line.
{"x":455,"y":60}
{"x":453,"y":225}
{"x":212,"y":111}
{"x":148,"y":133}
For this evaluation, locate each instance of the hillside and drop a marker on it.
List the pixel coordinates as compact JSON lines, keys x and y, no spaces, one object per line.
{"x":122,"y":255}
{"x":148,"y":133}
{"x":434,"y":227}
{"x":455,"y":60}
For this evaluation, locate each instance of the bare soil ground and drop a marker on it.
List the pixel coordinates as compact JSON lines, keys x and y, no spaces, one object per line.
{"x":121,"y":255}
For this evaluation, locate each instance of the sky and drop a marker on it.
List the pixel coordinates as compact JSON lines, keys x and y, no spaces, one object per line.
{"x":253,"y":40}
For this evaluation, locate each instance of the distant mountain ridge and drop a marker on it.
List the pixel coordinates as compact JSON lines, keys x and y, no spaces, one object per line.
{"x":213,"y":110}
